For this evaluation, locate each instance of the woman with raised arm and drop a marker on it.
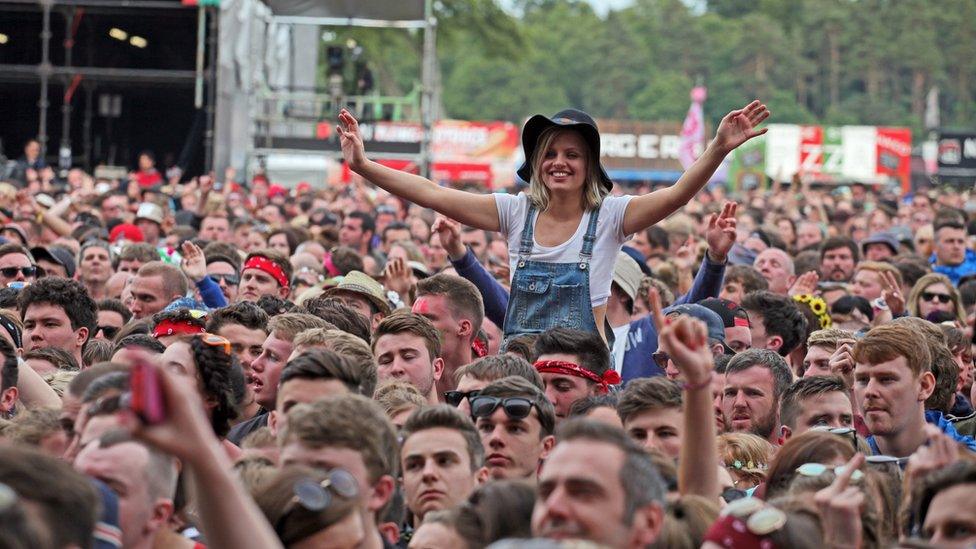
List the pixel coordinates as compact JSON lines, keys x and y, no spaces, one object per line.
{"x":564,"y":233}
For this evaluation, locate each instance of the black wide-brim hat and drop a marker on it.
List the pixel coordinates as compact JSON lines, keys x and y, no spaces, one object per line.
{"x":571,"y":119}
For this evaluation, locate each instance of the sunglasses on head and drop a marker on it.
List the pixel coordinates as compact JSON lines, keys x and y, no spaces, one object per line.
{"x":230,"y":279}
{"x":515,"y":407}
{"x":216,"y":341}
{"x":10,"y":272}
{"x":316,"y":497}
{"x":845,"y":432}
{"x":109,"y":331}
{"x":941,"y":298}
{"x":817,"y":469}
{"x":454,"y":398}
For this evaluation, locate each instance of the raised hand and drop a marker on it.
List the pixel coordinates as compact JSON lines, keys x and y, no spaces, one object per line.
{"x":194,"y":263}
{"x":685,"y":339}
{"x":739,"y":126}
{"x":685,"y":256}
{"x":938,"y":452}
{"x":449,"y":231}
{"x":892,"y":294}
{"x":720,"y":233}
{"x":398,"y":278}
{"x":351,"y":140}
{"x":840,"y":508}
{"x":841,"y":363}
{"x":806,"y":283}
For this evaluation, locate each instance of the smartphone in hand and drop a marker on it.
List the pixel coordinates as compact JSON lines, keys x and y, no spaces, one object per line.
{"x":146,"y":398}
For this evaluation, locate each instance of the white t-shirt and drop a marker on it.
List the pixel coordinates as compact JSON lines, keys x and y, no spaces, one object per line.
{"x":620,"y":347}
{"x":609,"y":239}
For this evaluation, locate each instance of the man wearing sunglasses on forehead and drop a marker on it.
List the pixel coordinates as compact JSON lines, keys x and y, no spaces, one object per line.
{"x":16,"y":264}
{"x":516,"y":422}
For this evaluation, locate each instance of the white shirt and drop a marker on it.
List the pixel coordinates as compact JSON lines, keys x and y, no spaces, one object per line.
{"x":620,"y":346}
{"x":609,"y":239}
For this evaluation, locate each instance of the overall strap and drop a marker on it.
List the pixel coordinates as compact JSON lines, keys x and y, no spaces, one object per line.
{"x":590,"y":237}
{"x":528,"y":229}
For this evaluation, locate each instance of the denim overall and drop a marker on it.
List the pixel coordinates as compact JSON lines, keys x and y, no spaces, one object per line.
{"x":549,"y":295}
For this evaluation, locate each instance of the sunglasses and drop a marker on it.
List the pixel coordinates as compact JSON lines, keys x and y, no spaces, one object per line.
{"x":216,"y":341}
{"x":886,"y":460}
{"x":845,"y":432}
{"x":109,"y":331}
{"x":817,"y":469}
{"x":731,"y":494}
{"x":10,"y":272}
{"x":230,"y":279}
{"x":515,"y":407}
{"x":941,"y":298}
{"x":661,"y":358}
{"x":761,"y":519}
{"x":454,"y":398}
{"x":316,"y":497}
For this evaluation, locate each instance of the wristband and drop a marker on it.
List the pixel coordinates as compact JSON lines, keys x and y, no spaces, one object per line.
{"x":700,"y":385}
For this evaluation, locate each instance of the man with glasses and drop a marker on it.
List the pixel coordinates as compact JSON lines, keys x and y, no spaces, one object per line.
{"x":474,"y":377}
{"x":112,"y":315}
{"x":224,"y":271}
{"x":59,"y":313}
{"x":815,"y":403}
{"x":516,"y":422}
{"x":16,"y":265}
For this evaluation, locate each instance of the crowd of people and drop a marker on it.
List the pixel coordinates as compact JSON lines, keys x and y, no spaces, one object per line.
{"x":216,"y":362}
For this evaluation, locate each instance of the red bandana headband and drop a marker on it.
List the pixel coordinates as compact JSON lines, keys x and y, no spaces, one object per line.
{"x":262,"y":263}
{"x":610,"y":377}
{"x":176,"y":327}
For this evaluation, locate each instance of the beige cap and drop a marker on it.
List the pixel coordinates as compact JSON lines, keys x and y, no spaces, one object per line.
{"x":627,"y":274}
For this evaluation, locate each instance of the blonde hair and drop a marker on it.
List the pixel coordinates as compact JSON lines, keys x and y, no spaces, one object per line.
{"x":932,"y":279}
{"x":538,"y":193}
{"x":746,"y":455}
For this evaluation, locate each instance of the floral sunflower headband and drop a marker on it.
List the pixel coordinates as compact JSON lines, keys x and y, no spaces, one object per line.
{"x":818,"y":306}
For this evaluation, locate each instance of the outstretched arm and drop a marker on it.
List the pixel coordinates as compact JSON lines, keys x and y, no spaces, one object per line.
{"x":686,"y":340}
{"x":735,"y":129}
{"x":475,"y":210}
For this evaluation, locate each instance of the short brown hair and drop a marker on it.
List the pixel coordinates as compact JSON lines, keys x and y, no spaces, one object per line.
{"x":644,"y":394}
{"x":66,"y":500}
{"x":31,"y":426}
{"x":494,"y":367}
{"x":59,"y":358}
{"x":890,"y":341}
{"x":322,"y":364}
{"x":404,"y":321}
{"x":398,"y":396}
{"x":353,"y":348}
{"x":137,"y":251}
{"x":829,"y":337}
{"x":463,"y":298}
{"x":879,"y":267}
{"x":275,"y":257}
{"x":748,"y":277}
{"x":294,"y":523}
{"x":353,"y":422}
{"x":447,"y":417}
{"x":804,"y":388}
{"x":515,"y":386}
{"x":288,"y":325}
{"x":174,"y":281}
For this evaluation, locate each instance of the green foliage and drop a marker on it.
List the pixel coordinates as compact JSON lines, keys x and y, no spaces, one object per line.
{"x":812,"y":61}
